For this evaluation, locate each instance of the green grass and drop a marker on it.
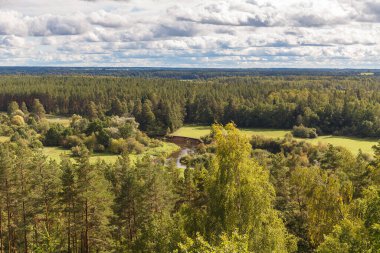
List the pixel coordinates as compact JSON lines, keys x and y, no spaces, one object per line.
{"x":166,"y":149}
{"x":65,"y":121}
{"x":351,"y":143}
{"x":192,"y":131}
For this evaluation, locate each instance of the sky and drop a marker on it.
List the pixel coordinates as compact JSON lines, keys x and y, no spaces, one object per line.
{"x":191,"y":33}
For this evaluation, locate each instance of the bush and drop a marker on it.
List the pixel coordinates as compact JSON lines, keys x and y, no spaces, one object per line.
{"x":304,"y":132}
{"x":53,"y":136}
{"x":6,"y":130}
{"x":113,"y":132}
{"x":72,"y":141}
{"x":17,"y":120}
{"x":126,"y":131}
{"x":18,"y":112}
{"x":118,"y":146}
{"x":91,"y":142}
{"x":142,"y":138}
{"x":134,"y":146}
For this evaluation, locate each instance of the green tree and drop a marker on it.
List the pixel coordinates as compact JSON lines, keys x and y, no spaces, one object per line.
{"x":24,"y":108}
{"x":241,"y":196}
{"x":148,"y":119}
{"x":12,"y":107}
{"x":38,"y":109}
{"x":322,"y":199}
{"x":91,"y":111}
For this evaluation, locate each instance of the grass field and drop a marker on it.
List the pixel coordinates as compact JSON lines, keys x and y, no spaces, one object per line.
{"x":351,"y":143}
{"x":65,"y":121}
{"x":166,"y":149}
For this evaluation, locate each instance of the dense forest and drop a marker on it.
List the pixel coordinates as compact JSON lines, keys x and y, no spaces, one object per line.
{"x":331,"y":105}
{"x":235,"y":194}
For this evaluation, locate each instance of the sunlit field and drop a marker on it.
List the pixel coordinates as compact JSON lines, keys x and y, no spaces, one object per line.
{"x":65,"y":121}
{"x":165,"y":150}
{"x":351,"y":143}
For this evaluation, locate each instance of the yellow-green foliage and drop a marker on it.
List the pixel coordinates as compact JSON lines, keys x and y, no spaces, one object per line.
{"x":4,"y":138}
{"x":17,"y":120}
{"x":165,"y":149}
{"x":353,"y":144}
{"x":241,"y":196}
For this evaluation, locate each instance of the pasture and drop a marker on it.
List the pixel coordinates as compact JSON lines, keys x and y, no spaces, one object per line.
{"x":351,"y":143}
{"x":165,"y":150}
{"x":65,"y":121}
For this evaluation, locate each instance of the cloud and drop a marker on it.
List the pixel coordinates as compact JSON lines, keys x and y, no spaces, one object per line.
{"x":227,"y":13}
{"x":214,"y":33}
{"x":107,"y":19}
{"x":12,"y":42}
{"x":14,"y":23}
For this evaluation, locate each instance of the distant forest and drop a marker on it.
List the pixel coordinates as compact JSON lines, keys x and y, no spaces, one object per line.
{"x":183,"y":73}
{"x":340,"y":105}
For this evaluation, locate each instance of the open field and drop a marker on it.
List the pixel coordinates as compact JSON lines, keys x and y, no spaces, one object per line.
{"x":351,"y":143}
{"x":65,"y":121}
{"x":165,"y":150}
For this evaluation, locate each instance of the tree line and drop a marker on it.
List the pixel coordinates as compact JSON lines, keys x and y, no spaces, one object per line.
{"x":332,"y":105}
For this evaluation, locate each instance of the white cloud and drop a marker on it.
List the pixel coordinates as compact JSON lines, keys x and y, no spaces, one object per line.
{"x":245,"y":33}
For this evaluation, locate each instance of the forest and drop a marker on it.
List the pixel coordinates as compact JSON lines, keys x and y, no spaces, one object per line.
{"x":332,"y":105}
{"x":235,"y":194}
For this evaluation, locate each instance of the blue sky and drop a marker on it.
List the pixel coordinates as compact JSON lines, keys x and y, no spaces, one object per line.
{"x":197,"y":33}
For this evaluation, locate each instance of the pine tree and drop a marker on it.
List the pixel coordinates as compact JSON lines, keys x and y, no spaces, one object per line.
{"x":148,"y":119}
{"x":38,"y":109}
{"x":12,"y":107}
{"x":68,"y":197}
{"x":24,"y":108}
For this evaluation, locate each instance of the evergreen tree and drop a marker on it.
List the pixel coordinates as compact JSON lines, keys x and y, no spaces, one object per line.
{"x":24,"y":108}
{"x":38,"y":109}
{"x":12,"y":107}
{"x":148,"y":119}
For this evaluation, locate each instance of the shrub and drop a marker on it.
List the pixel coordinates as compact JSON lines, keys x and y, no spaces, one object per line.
{"x":17,"y":120}
{"x":53,"y":136}
{"x":304,"y":132}
{"x":90,"y":142}
{"x":18,"y":112}
{"x":134,"y":146}
{"x":113,"y":132}
{"x":72,"y":141}
{"x":142,"y":138}
{"x":126,"y":131}
{"x":117,"y":146}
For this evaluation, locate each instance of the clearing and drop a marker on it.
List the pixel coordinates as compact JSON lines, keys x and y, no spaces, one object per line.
{"x":165,"y":150}
{"x":65,"y":121}
{"x":351,"y":143}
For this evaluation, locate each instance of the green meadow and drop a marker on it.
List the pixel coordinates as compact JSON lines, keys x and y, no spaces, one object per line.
{"x":65,"y":121}
{"x":165,"y":150}
{"x":351,"y":143}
